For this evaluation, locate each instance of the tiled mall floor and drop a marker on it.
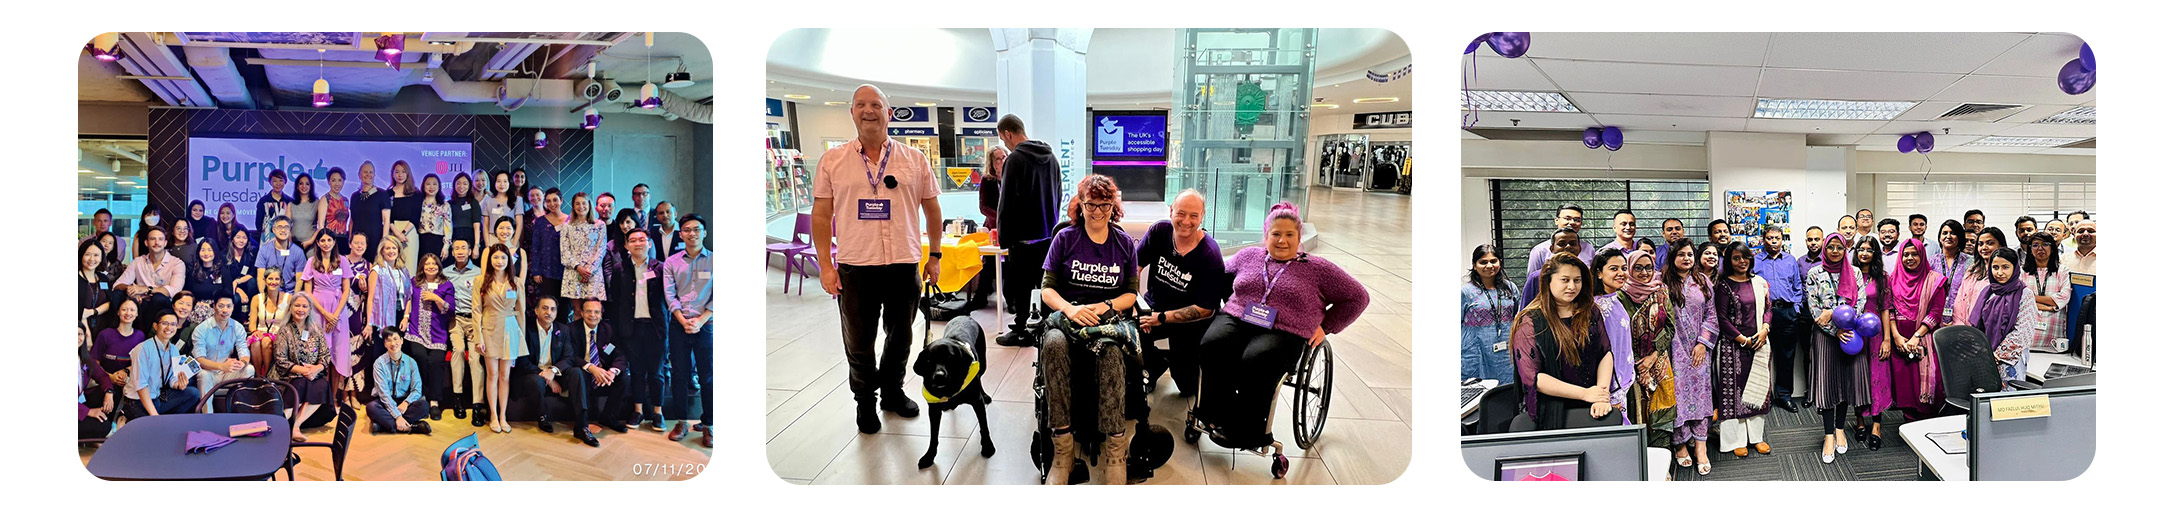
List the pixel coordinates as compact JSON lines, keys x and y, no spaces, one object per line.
{"x":810,"y":420}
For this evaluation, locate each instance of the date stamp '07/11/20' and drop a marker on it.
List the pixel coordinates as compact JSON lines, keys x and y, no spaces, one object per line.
{"x":666,"y":470}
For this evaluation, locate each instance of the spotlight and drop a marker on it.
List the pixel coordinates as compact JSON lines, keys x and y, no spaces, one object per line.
{"x":540,"y":138}
{"x":590,"y":118}
{"x":679,"y":77}
{"x":105,"y":47}
{"x":321,"y":94}
{"x":648,"y":96}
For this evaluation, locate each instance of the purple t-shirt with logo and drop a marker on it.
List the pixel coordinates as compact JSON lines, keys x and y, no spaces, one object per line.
{"x":1089,"y":271}
{"x":1174,"y":280}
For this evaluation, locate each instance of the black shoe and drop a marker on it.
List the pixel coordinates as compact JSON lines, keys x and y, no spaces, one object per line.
{"x":899,"y":404}
{"x":616,"y":426}
{"x":438,"y":412}
{"x":545,"y":426}
{"x":1875,"y":441}
{"x":585,"y":436}
{"x":459,"y":413}
{"x":1785,"y":403}
{"x":376,"y":429}
{"x":477,"y":417}
{"x":656,"y":422}
{"x":1806,"y":403}
{"x":1018,"y":338}
{"x":866,"y":418}
{"x":421,"y":428}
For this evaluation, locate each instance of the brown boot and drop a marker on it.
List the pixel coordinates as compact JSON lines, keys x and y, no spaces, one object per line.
{"x":1063,"y":460}
{"x":1114,"y":459}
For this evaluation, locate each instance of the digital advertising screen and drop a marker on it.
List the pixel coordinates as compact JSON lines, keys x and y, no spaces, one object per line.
{"x":1129,"y":136}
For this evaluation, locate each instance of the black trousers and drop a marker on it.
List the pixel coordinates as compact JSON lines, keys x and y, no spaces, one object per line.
{"x":578,"y":391}
{"x":692,"y":364}
{"x":432,"y":366}
{"x":874,"y":298}
{"x":170,"y":401}
{"x":1787,"y":338}
{"x":1020,"y":274}
{"x":1242,"y":364}
{"x":647,"y":369}
{"x":383,"y":417}
{"x":1183,"y":344}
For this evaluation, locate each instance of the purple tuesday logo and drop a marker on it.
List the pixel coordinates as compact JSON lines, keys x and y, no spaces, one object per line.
{"x":234,"y":170}
{"x":1131,"y":136}
{"x":1093,"y":274}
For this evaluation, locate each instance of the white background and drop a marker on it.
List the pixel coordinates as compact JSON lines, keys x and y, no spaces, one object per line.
{"x":2133,"y":474}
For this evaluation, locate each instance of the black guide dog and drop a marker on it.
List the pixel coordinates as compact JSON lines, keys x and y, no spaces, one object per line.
{"x":953,"y":369}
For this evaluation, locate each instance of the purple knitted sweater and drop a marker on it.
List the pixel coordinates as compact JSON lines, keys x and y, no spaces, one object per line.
{"x":1311,"y":293}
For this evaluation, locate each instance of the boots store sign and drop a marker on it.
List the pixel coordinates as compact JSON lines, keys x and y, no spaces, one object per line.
{"x":1382,"y":120}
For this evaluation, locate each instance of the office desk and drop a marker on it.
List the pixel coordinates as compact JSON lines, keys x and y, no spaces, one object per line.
{"x":150,"y":448}
{"x":1937,"y":464}
{"x":2038,"y":362}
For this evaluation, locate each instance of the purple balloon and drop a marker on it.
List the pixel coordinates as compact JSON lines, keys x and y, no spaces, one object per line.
{"x":1853,"y":346}
{"x":1475,"y":42}
{"x":2089,"y":64}
{"x":2074,"y":79}
{"x":1924,"y":142}
{"x":1842,"y":315}
{"x":1611,"y":135}
{"x":1510,"y":44}
{"x":1906,"y":144}
{"x":1867,"y":325}
{"x":1593,"y":137}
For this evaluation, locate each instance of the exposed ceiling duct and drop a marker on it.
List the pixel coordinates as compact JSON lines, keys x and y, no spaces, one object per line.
{"x":683,"y":107}
{"x":216,"y":67}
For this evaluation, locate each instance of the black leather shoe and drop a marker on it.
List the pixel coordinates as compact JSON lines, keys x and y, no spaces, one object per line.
{"x":867,"y":418}
{"x":899,"y":404}
{"x":421,"y":428}
{"x":477,"y":418}
{"x":460,"y":412}
{"x":615,"y":426}
{"x":585,"y":436}
{"x":657,"y":422}
{"x":1787,"y":404}
{"x":1875,"y":442}
{"x":545,"y":426}
{"x":438,"y":412}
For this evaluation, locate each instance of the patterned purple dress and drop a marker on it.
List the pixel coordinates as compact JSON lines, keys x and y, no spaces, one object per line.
{"x":1695,"y":321}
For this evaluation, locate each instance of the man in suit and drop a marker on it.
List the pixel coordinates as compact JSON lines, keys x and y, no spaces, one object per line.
{"x":549,"y":370}
{"x":601,"y":366}
{"x":639,"y":314}
{"x":662,"y":227}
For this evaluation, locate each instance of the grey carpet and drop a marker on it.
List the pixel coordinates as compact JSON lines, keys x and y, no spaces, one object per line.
{"x":1796,"y":439}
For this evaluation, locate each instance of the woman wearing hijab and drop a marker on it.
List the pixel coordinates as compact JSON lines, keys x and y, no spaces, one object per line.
{"x":1743,"y":397}
{"x":1839,"y":381}
{"x":1871,"y":288}
{"x":1987,"y":242}
{"x":1905,"y":363}
{"x":2005,"y":315}
{"x":1651,"y":340}
{"x":1696,"y":330}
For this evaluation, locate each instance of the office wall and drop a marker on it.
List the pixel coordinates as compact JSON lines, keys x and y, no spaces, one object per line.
{"x":1759,"y":162}
{"x":662,"y":154}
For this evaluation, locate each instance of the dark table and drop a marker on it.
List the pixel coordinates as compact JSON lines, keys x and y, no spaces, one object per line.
{"x":151,"y":448}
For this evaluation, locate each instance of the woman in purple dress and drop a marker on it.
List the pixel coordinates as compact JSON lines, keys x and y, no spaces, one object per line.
{"x":1696,"y":330}
{"x":1953,"y":262}
{"x":1869,"y":284}
{"x":1745,"y":368}
{"x":1839,"y":382}
{"x":1651,"y":342}
{"x":328,"y":276}
{"x":1912,"y":312}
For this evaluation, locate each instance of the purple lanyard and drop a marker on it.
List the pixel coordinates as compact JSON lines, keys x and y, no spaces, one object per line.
{"x":884,"y":157}
{"x":1271,"y":278}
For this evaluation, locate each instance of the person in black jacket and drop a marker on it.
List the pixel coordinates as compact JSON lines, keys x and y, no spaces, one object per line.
{"x":1029,"y":206}
{"x":638,"y":312}
{"x":549,"y":370}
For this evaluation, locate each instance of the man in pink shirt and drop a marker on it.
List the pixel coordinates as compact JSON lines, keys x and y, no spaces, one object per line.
{"x":868,"y":193}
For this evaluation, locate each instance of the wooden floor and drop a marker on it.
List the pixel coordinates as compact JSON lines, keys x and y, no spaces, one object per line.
{"x":810,"y":428}
{"x":524,"y":454}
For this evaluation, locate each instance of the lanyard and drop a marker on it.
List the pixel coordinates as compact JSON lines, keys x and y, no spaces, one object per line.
{"x":1271,"y":278}
{"x":884,"y":157}
{"x":166,"y":364}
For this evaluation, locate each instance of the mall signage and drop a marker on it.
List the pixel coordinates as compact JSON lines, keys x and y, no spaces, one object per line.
{"x":913,"y":132}
{"x":1382,"y":120}
{"x":978,"y":114}
{"x":911,"y":114}
{"x":775,"y":108}
{"x":1129,"y":136}
{"x":980,"y":132}
{"x":233,"y":170}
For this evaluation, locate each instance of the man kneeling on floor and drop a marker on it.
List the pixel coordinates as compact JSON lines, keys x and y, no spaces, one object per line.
{"x":394,"y":403}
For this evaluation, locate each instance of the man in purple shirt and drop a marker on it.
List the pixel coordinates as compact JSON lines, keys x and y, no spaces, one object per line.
{"x":1624,"y":232}
{"x":1674,"y":231}
{"x":1782,"y":272}
{"x":1571,"y":215}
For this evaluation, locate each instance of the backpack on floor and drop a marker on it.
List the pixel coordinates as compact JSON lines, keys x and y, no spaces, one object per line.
{"x":464,"y":461}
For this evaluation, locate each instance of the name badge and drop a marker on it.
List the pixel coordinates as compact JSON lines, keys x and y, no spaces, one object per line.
{"x":607,"y":350}
{"x":648,"y":275}
{"x":499,"y":210}
{"x":704,"y":275}
{"x":103,"y":286}
{"x":880,"y":209}
{"x":1499,"y":347}
{"x":1260,"y":315}
{"x":2041,"y":325}
{"x":283,"y":252}
{"x":465,"y":206}
{"x":510,"y":294}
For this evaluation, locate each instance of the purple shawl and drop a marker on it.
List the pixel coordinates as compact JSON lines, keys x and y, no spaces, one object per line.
{"x":1996,"y":314}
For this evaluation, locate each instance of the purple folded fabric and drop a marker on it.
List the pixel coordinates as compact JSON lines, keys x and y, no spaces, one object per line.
{"x":204,"y":442}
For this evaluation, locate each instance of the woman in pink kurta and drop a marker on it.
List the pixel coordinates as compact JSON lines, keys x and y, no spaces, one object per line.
{"x":1912,"y":311}
{"x":1870,"y":284}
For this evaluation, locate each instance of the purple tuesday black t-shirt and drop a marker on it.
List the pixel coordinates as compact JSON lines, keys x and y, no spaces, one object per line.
{"x":1091,"y":271}
{"x":1173,"y":281}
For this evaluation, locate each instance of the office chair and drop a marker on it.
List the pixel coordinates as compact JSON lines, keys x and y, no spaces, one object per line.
{"x":1966,"y":366}
{"x":1502,"y":404}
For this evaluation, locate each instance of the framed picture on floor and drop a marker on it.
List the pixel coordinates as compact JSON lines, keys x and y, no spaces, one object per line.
{"x":1550,"y":467}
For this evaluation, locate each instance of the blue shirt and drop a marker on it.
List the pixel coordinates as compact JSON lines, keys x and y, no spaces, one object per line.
{"x":689,"y":283}
{"x":397,"y":380}
{"x":1784,"y":273}
{"x":1543,"y":251}
{"x":290,"y":265}
{"x":157,"y":364}
{"x":221,"y":342}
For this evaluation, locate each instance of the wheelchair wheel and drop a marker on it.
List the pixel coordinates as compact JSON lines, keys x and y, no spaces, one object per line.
{"x":1279,"y":466}
{"x":1313,"y":384}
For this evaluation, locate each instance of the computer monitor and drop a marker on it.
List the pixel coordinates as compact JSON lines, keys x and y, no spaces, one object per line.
{"x":2055,"y":447}
{"x":1602,"y":453}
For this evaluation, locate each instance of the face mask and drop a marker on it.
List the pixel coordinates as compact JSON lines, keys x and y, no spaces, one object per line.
{"x":151,"y":220}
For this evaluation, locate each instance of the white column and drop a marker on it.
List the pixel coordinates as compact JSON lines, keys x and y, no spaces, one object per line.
{"x":1043,"y":78}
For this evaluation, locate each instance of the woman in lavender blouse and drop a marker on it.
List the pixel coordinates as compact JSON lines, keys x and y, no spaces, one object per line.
{"x":1257,"y":337}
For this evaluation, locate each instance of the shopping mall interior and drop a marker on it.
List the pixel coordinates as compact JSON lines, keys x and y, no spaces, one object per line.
{"x":1249,"y":117}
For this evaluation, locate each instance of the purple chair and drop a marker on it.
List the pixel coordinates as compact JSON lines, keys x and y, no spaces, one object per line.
{"x":788,"y":251}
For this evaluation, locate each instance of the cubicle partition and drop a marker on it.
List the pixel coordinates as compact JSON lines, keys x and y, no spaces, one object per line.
{"x":2058,"y":446}
{"x":1603,"y":453}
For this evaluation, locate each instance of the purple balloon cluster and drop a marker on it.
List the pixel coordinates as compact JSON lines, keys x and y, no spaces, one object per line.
{"x":1509,"y":44}
{"x":1920,"y":142}
{"x":1609,"y":136}
{"x":1864,"y":326}
{"x":2079,"y":74}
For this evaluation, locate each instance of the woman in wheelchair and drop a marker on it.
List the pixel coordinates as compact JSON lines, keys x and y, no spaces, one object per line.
{"x":1090,"y":271}
{"x":1283,"y":302}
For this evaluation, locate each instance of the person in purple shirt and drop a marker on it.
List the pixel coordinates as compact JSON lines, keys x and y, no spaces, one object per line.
{"x":1571,"y":216}
{"x":1624,"y":232}
{"x":544,"y":252}
{"x":425,"y":325}
{"x":1090,"y":273}
{"x":1564,"y":241}
{"x":1186,"y":279}
{"x":1673,"y":230}
{"x":1257,"y":337}
{"x":1782,"y":272}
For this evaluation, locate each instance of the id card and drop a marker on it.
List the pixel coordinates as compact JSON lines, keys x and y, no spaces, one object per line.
{"x":1260,"y":315}
{"x":879,"y":209}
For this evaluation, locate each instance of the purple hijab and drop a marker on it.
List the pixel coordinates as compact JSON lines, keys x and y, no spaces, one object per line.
{"x":1995,"y":315}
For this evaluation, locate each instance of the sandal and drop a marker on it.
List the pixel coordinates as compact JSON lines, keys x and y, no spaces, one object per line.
{"x":298,"y":438}
{"x":1704,"y":469}
{"x":1682,"y":461}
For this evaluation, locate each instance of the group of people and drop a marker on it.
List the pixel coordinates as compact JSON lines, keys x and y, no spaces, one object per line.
{"x":407,"y":299}
{"x":1680,"y":339}
{"x":1241,"y":321}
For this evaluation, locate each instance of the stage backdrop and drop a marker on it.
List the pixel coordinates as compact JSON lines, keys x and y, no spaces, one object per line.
{"x":565,"y":162}
{"x":234,"y":170}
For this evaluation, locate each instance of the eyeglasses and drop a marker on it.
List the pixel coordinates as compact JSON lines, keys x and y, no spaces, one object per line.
{"x":1098,"y":207}
{"x":1645,"y":267}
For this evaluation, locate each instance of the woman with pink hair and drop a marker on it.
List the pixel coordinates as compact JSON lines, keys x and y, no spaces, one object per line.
{"x":1257,"y":336}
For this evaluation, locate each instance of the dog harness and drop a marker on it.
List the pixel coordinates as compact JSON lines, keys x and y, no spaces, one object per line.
{"x":975,"y":367}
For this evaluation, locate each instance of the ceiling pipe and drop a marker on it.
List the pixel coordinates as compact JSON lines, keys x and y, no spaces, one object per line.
{"x":217,"y":67}
{"x":679,"y":106}
{"x":534,"y":41}
{"x":405,"y":65}
{"x":145,"y":55}
{"x":124,"y":153}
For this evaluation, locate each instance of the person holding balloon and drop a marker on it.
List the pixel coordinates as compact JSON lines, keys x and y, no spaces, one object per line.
{"x":1871,"y":288}
{"x":1696,"y":330}
{"x":1912,"y":313}
{"x":1840,"y":375}
{"x":2005,"y":315}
